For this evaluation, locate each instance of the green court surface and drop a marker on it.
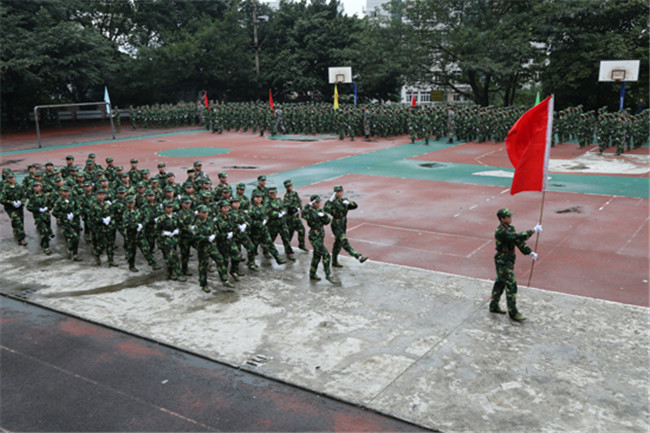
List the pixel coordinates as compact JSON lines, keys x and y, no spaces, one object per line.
{"x":396,"y":162}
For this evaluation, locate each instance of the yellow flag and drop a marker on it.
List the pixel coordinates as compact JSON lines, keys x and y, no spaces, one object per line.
{"x":336,"y":97}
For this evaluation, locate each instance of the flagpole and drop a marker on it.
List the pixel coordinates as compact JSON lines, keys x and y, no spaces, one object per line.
{"x":541,"y":214}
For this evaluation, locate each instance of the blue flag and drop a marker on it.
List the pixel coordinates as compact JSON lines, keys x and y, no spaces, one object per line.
{"x":107,"y":100}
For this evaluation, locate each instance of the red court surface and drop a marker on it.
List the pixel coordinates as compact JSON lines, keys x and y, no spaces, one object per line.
{"x":592,"y":245}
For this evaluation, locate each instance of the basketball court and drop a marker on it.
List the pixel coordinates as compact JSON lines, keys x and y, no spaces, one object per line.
{"x":405,"y":334}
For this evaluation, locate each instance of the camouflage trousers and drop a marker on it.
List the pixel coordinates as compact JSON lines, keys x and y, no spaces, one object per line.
{"x":168,"y":248}
{"x":17,"y":217}
{"x":71,"y":234}
{"x":184,"y":246}
{"x":134,"y":240}
{"x":505,"y":265}
{"x":208,"y":251}
{"x":242,"y":240}
{"x":341,"y":239}
{"x":262,"y":237}
{"x":316,"y":239}
{"x":279,"y":228}
{"x":294,"y":224}
{"x":150,"y":235}
{"x":44,"y":227}
{"x":230,"y":254}
{"x":104,"y":239}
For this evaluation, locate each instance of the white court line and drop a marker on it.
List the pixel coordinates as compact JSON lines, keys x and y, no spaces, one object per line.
{"x":606,"y":203}
{"x":421,"y":231}
{"x":634,"y":235}
{"x":408,"y":248}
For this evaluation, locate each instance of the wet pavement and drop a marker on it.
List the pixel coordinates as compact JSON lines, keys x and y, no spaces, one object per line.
{"x":409,"y":343}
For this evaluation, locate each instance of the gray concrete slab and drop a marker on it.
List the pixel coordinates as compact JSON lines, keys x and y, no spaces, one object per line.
{"x":415,"y":344}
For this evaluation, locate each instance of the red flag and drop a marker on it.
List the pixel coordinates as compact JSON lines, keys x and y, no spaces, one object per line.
{"x":529,"y":145}
{"x":205,"y":100}
{"x":271,"y":99}
{"x":413,"y":101}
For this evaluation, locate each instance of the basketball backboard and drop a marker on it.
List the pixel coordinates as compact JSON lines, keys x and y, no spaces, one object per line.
{"x":619,"y":70}
{"x":340,"y":74}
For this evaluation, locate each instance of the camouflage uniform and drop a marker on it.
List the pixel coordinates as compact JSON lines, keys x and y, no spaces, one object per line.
{"x":277,"y":223}
{"x":11,"y":197}
{"x":317,"y":220}
{"x":186,"y":220}
{"x":39,"y":205}
{"x":133,"y":228}
{"x":102,"y":225}
{"x":504,"y":259}
{"x":292,"y":205}
{"x":225,"y":231}
{"x":206,"y":249}
{"x":259,"y":230}
{"x":168,"y":229}
{"x":67,"y":212}
{"x":338,"y":208}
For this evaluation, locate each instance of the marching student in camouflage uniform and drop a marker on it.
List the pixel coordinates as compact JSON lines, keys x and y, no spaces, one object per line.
{"x":259,"y":231}
{"x":261,"y":188}
{"x":277,"y":222}
{"x":11,"y":197}
{"x":69,"y":162}
{"x":118,"y":206}
{"x":200,"y":175}
{"x":293,"y":205}
{"x":86,"y":201}
{"x":133,"y":228}
{"x":186,"y":219}
{"x":103,"y":227}
{"x":168,"y":230}
{"x":506,"y":240}
{"x":245,"y":202}
{"x":223,"y":185}
{"x":204,"y":236}
{"x":39,"y":205}
{"x":150,"y":211}
{"x":242,"y":239}
{"x":67,"y":212}
{"x":338,"y":207}
{"x":162,"y":175}
{"x":225,"y":230}
{"x":316,"y":220}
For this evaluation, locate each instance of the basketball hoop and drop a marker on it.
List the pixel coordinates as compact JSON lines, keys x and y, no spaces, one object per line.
{"x":618,"y":75}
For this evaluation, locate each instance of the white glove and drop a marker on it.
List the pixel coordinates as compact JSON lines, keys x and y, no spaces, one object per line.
{"x":175,"y":232}
{"x":166,"y":233}
{"x":70,"y":216}
{"x":106,"y":220}
{"x":108,"y":202}
{"x":42,"y":209}
{"x":321,"y":214}
{"x":17,"y":203}
{"x":533,"y":255}
{"x":242,"y":227}
{"x":264,"y":222}
{"x":192,"y":228}
{"x":156,"y":219}
{"x":538,"y":228}
{"x":346,"y":202}
{"x":297,"y":213}
{"x":211,"y":238}
{"x":139,"y":228}
{"x":281,"y":214}
{"x":332,"y":197}
{"x":229,"y":236}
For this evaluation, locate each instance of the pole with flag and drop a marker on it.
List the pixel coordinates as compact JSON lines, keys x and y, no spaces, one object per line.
{"x":271,"y":100}
{"x":336,"y":97}
{"x":529,"y":147}
{"x":413,"y":103}
{"x":537,"y":98}
{"x":107,"y":100}
{"x":205,"y":100}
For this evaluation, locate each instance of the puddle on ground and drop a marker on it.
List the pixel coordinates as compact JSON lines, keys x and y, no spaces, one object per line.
{"x":574,"y":209}
{"x":432,"y":165}
{"x":225,"y":297}
{"x":127,"y":284}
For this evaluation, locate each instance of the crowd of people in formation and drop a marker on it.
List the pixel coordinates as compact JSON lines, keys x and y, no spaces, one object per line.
{"x":619,"y":129}
{"x":156,"y":212}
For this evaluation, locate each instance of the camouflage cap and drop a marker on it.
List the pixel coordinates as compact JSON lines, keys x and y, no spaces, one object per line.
{"x":338,"y":188}
{"x":124,"y":175}
{"x":154,"y":180}
{"x":73,"y":168}
{"x":100,"y":191}
{"x":223,"y":203}
{"x":191,"y":170}
{"x":10,"y":174}
{"x":504,"y":212}
{"x":89,"y":161}
{"x":119,"y":168}
{"x":257,"y":193}
{"x":81,"y":174}
{"x":69,"y":157}
{"x":58,"y":179}
{"x":273,"y":189}
{"x":169,"y":188}
{"x":109,"y":159}
{"x":241,"y":186}
{"x":203,"y":208}
{"x":206,"y":180}
{"x":234,"y":199}
{"x":121,"y":190}
{"x":37,"y":184}
{"x":91,"y":155}
{"x":129,"y":199}
{"x":49,"y":163}
{"x":31,"y":165}
{"x":223,"y":174}
{"x":88,"y":183}
{"x":186,"y":199}
{"x":288,"y":183}
{"x":134,"y":160}
{"x":314,"y":197}
{"x":197,"y":163}
{"x":261,"y":177}
{"x":140,"y":185}
{"x":65,"y":188}
{"x":99,"y":172}
{"x":144,"y":171}
{"x":205,"y":194}
{"x":38,"y":173}
{"x":188,"y":185}
{"x":170,"y":174}
{"x":168,"y":203}
{"x":149,"y":192}
{"x":161,"y":164}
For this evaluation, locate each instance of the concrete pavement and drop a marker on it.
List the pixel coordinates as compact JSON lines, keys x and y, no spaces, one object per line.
{"x":415,"y":344}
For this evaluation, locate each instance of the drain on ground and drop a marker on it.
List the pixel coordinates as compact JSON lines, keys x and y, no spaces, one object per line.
{"x":241,"y":167}
{"x":432,"y":164}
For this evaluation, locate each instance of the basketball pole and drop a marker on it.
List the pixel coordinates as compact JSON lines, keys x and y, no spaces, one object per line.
{"x":622,"y":98}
